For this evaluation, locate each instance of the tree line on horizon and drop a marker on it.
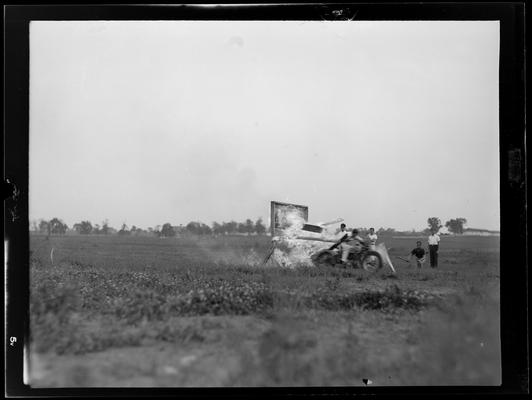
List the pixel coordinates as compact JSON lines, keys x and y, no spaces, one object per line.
{"x":57,"y":227}
{"x":454,"y":225}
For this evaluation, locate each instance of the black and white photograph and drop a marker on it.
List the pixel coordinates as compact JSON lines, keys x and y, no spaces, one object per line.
{"x":264,"y":203}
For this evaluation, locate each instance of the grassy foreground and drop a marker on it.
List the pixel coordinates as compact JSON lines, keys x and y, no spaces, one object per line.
{"x":138,"y":311}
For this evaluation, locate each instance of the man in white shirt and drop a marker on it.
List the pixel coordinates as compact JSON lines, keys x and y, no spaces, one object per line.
{"x":434,"y":242}
{"x":372,"y":238}
{"x":342,"y":232}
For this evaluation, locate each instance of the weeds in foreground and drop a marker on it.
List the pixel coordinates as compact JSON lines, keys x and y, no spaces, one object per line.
{"x":60,"y":311}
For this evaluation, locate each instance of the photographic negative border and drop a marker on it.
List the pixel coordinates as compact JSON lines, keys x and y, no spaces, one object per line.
{"x":513,"y":177}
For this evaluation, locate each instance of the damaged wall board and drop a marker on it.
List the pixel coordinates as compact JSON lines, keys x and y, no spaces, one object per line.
{"x":283,"y":215}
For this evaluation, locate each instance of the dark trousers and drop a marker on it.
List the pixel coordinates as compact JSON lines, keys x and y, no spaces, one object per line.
{"x":433,"y":250}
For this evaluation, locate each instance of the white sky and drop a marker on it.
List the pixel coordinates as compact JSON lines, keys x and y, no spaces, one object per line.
{"x":379,"y":123}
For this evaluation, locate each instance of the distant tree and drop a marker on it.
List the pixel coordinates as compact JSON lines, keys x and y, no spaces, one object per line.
{"x":193,"y":227}
{"x":230,"y":227}
{"x":44,"y":226}
{"x":259,"y":227}
{"x":105,"y":227}
{"x":133,"y":230}
{"x":167,"y":230}
{"x":250,"y":226}
{"x":83,"y":228}
{"x":124,"y":230}
{"x":56,"y":226}
{"x":217,"y":228}
{"x":434,"y":223}
{"x":241,"y":227}
{"x":205,"y":229}
{"x":198,"y":228}
{"x":96,"y":229}
{"x":225,"y":227}
{"x":456,"y":225}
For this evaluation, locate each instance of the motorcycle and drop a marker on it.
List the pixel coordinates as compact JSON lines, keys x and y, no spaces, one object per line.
{"x":360,"y":256}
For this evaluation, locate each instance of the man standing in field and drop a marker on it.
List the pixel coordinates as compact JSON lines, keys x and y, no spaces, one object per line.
{"x":419,"y":253}
{"x":372,"y":239}
{"x":434,"y":241}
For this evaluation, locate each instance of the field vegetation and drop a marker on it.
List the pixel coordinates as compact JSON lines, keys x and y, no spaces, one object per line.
{"x":204,"y":311}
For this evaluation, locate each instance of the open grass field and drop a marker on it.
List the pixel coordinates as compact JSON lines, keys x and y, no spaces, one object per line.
{"x":116,"y":311}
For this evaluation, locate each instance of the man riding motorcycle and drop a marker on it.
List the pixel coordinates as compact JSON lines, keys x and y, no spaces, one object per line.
{"x":352,"y":244}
